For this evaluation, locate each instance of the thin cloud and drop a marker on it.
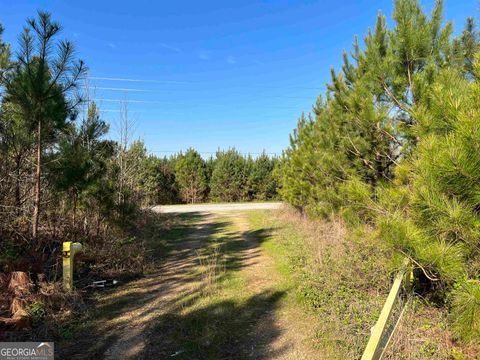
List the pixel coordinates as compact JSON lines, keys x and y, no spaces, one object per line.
{"x":170,"y":47}
{"x":111,"y":45}
{"x":138,"y":80}
{"x":231,"y":60}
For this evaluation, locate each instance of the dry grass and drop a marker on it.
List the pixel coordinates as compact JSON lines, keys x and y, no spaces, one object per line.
{"x":45,"y":308}
{"x":342,"y":275}
{"x":217,"y":295}
{"x":319,"y":235}
{"x":212,"y":265}
{"x":33,"y":310}
{"x":423,"y":333}
{"x":340,"y":278}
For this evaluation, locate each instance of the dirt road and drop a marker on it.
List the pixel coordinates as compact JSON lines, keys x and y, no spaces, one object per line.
{"x":215,"y":208}
{"x":217,"y":295}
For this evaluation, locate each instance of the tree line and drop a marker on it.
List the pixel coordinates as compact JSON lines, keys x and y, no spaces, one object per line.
{"x":188,"y":178}
{"x":62,"y":177}
{"x":394,"y":144}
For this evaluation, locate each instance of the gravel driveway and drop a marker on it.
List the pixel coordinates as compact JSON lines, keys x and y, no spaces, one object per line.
{"x":216,"y":207}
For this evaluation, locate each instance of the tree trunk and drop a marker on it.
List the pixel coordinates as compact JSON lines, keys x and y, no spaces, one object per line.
{"x":18,"y":162}
{"x":38,"y":189}
{"x":74,"y":217}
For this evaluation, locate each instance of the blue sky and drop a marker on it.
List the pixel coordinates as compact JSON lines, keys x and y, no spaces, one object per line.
{"x":211,"y":74}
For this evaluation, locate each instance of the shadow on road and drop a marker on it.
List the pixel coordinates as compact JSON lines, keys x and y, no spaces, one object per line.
{"x":163,"y":314}
{"x":218,"y":331}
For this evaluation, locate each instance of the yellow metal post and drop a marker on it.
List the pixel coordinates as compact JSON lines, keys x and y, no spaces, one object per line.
{"x":69,"y":250}
{"x":373,"y":350}
{"x":375,"y":346}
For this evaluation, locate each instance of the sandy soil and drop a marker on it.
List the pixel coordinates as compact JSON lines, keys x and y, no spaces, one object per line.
{"x":158,"y":293}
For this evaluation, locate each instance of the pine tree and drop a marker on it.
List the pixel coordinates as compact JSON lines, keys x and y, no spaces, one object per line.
{"x":44,"y":76}
{"x":229,"y":176}
{"x":191,"y":176}
{"x":158,"y":181}
{"x":395,"y":144}
{"x":81,"y":159}
{"x":469,"y":43}
{"x":439,"y":227}
{"x":4,"y":56}
{"x":16,"y":146}
{"x":260,"y":181}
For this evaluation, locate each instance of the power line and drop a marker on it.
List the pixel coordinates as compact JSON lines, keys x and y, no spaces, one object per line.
{"x":180,"y":82}
{"x":170,"y":105}
{"x":122,"y":89}
{"x":160,"y":91}
{"x":160,"y":102}
{"x":130,"y":101}
{"x":138,"y":80}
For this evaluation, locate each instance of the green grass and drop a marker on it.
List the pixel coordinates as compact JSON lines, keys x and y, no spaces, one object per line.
{"x":217,"y":321}
{"x":209,"y":321}
{"x":343,"y":293}
{"x":345,"y":286}
{"x":327,"y":278}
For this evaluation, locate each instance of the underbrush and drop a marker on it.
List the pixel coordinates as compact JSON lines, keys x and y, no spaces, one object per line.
{"x":33,"y":304}
{"x":343,"y":275}
{"x":424,"y":333}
